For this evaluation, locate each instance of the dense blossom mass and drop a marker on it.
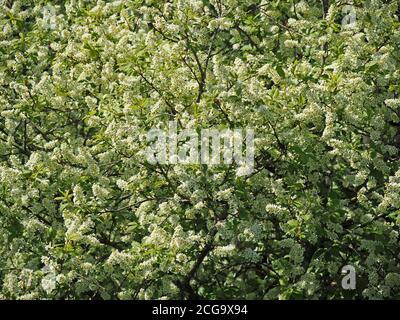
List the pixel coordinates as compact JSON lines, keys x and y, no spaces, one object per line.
{"x":83,"y":215}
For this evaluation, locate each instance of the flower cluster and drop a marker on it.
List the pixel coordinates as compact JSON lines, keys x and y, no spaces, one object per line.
{"x":83,"y":215}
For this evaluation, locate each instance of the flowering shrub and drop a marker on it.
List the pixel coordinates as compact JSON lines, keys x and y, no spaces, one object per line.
{"x":83,"y":215}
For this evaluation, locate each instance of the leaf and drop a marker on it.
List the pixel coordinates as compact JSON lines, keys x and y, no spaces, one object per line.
{"x":293,"y":223}
{"x":280,"y":71}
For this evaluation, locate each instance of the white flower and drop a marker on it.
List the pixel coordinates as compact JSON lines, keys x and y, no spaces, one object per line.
{"x":78,"y":195}
{"x":34,"y":159}
{"x":181,"y":258}
{"x":222,"y":251}
{"x":291,"y":43}
{"x":250,"y":255}
{"x":122,"y":184}
{"x":224,"y":194}
{"x":393,"y":103}
{"x":49,"y":283}
{"x":274,"y":29}
{"x":274,"y":209}
{"x":91,"y":102}
{"x":244,"y":170}
{"x":99,"y":191}
{"x":55,"y":46}
{"x":360,"y":177}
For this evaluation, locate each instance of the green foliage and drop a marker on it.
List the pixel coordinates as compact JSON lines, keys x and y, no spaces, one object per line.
{"x":84,"y":216}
